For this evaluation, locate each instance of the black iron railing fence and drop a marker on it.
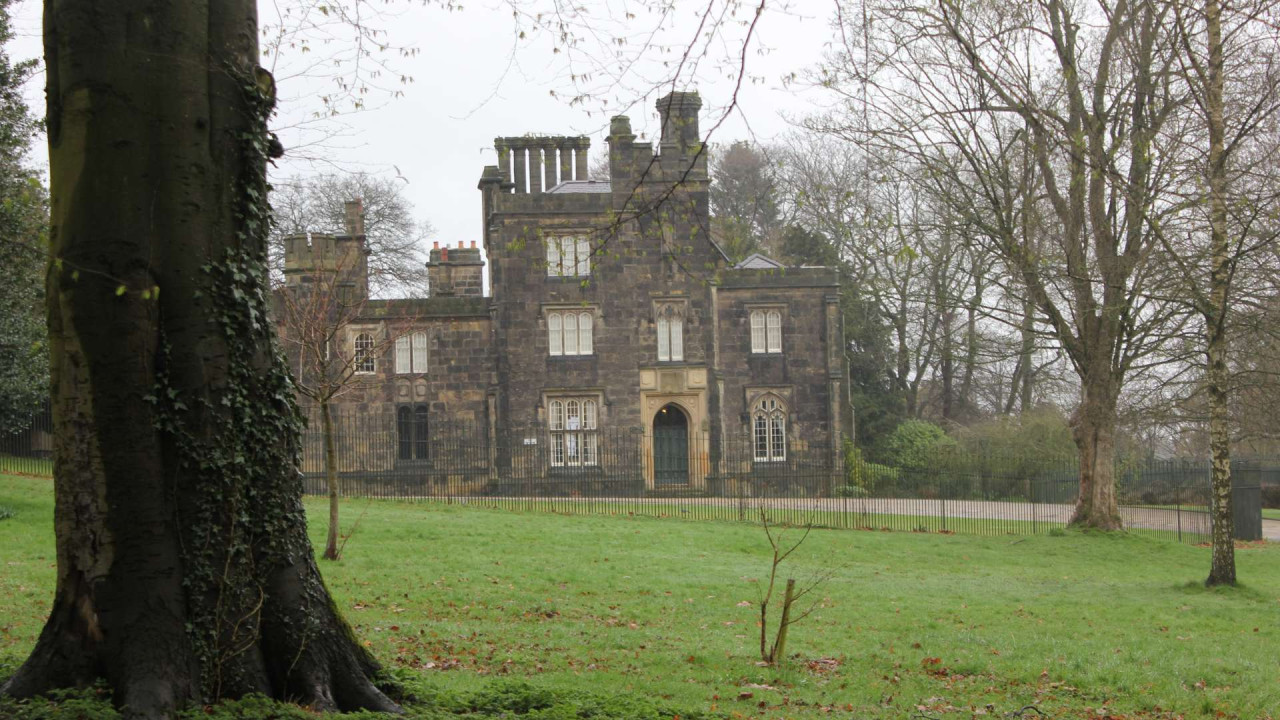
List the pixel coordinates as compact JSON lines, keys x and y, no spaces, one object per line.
{"x":26,"y":444}
{"x":633,"y":473}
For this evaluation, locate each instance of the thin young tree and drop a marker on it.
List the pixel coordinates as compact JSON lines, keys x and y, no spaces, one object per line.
{"x":318,"y":322}
{"x":1228,"y":224}
{"x":780,"y":551}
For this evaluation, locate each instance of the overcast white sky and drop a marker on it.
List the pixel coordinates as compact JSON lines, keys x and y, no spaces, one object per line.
{"x":469,"y":87}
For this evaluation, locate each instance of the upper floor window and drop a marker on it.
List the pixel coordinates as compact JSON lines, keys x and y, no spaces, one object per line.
{"x":569,"y":332}
{"x":363,"y":359}
{"x":766,"y":331}
{"x":670,"y":333}
{"x":769,"y":430}
{"x":572,"y":423}
{"x":411,"y":353}
{"x":568,"y":257}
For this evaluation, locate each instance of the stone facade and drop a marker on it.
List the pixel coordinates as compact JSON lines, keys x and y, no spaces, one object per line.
{"x":614,"y":318}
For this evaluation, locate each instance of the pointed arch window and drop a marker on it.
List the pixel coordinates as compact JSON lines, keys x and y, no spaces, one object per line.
{"x":769,"y":430}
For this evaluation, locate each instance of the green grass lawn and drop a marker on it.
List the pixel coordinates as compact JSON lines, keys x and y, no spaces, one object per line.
{"x":1079,"y":625}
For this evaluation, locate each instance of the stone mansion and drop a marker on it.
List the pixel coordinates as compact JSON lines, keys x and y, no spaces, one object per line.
{"x":612,"y":318}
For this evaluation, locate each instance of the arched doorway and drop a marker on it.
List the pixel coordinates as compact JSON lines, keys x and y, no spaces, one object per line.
{"x":670,"y":446}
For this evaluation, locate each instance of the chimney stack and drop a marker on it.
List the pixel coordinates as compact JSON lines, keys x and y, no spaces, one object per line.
{"x":353,"y":217}
{"x":456,"y":274}
{"x":679,"y":111}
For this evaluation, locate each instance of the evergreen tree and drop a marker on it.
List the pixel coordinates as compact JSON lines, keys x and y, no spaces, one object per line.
{"x":24,"y":365}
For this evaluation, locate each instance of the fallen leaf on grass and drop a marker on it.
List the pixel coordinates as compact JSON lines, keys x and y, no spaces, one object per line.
{"x":823,"y":665}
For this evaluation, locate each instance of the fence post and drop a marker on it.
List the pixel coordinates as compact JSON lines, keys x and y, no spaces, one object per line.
{"x":1177,"y":507}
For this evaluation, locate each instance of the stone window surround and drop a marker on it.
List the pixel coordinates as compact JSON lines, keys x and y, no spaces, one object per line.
{"x":408,"y":345}
{"x":357,"y":362}
{"x":769,"y":425}
{"x":679,"y":305}
{"x":578,"y":235}
{"x":765,"y":307}
{"x":413,"y":432}
{"x":752,"y":394}
{"x":563,"y":440}
{"x":594,"y":309}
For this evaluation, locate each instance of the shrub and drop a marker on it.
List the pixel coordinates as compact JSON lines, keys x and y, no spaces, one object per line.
{"x":863,"y":478}
{"x":1039,"y":433}
{"x":1271,"y":496}
{"x":6,"y":512}
{"x":914,"y":445}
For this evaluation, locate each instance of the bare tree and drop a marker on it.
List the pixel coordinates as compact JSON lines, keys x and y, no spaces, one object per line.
{"x":1227,"y":226}
{"x":394,"y":241}
{"x":966,"y":90}
{"x":913,"y":258}
{"x":322,"y":324}
{"x":781,"y":551}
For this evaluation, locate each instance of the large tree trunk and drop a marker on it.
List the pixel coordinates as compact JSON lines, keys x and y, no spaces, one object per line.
{"x":184,"y":569}
{"x":1223,"y":568}
{"x":1094,"y":431}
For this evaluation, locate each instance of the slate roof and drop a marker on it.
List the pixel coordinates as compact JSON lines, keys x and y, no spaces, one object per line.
{"x":583,"y":186}
{"x":756,"y":261}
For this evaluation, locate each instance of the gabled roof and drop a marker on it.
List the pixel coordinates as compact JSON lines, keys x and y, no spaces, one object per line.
{"x":756,"y":261}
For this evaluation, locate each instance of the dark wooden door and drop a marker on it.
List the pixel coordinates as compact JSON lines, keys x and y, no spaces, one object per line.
{"x":670,"y":447}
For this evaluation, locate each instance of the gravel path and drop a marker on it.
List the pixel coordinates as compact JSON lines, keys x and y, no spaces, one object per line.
{"x":1188,"y":521}
{"x":1271,"y":530}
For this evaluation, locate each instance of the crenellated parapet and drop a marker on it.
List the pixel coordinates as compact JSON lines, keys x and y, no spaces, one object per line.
{"x":311,"y":253}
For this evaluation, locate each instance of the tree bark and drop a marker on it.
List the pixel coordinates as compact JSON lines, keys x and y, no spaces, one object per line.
{"x":779,"y":650}
{"x":1094,"y":431}
{"x":1027,"y":358}
{"x":1222,"y":570}
{"x":331,"y":477}
{"x":185,"y":573}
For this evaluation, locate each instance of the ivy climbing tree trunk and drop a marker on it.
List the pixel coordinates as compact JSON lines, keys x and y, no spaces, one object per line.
{"x":184,"y":569}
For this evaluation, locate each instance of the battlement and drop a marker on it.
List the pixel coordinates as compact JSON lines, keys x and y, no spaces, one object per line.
{"x":321,"y":258}
{"x":318,"y":252}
